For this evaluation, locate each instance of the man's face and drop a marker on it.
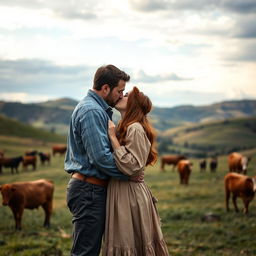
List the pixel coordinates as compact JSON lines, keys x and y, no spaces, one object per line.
{"x":116,"y":94}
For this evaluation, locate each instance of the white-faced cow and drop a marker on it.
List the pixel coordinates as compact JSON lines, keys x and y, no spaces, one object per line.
{"x":238,"y":163}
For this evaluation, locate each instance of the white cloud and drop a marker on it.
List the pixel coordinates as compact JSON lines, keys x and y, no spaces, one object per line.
{"x":24,"y":97}
{"x":169,"y":47}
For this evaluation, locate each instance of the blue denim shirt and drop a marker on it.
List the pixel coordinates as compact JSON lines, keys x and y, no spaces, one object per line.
{"x":89,"y":147}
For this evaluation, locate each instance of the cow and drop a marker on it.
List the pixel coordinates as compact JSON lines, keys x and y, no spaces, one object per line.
{"x":240,"y":186}
{"x":31,"y":153}
{"x":44,"y":157}
{"x":29,"y":160}
{"x":184,"y":169}
{"x":213,"y":164}
{"x":1,"y":153}
{"x":202,"y":165}
{"x":28,"y":195}
{"x":61,"y":149}
{"x":12,"y":163}
{"x":171,"y":160}
{"x":238,"y":163}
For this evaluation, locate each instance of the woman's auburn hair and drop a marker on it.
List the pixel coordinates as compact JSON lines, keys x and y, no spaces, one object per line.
{"x":138,"y":106}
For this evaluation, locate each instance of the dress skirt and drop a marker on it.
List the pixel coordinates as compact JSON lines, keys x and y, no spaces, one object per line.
{"x":132,"y":221}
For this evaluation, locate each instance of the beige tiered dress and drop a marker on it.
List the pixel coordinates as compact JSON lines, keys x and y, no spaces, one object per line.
{"x":132,"y":222}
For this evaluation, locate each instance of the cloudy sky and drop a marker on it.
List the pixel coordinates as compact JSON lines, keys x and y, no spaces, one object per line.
{"x":177,"y":51}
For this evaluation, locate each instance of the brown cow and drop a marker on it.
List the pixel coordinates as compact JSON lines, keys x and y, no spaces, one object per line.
{"x":171,"y":160}
{"x":238,"y":163}
{"x":240,"y":186}
{"x":29,"y":195}
{"x":184,"y":169}
{"x":61,"y":149}
{"x":29,"y":160}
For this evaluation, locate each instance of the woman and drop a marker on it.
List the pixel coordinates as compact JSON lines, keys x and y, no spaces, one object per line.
{"x":132,"y":222}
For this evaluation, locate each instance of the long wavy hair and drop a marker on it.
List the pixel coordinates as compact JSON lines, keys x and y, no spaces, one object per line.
{"x":138,"y":106}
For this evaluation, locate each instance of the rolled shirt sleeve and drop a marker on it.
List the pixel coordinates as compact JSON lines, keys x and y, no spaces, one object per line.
{"x":131,"y":159}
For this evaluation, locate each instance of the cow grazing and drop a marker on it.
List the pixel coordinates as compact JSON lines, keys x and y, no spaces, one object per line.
{"x":29,"y":195}
{"x":171,"y":160}
{"x":29,"y":160}
{"x":238,"y":163}
{"x":61,"y":149}
{"x":184,"y":169}
{"x":31,"y":153}
{"x":12,"y":163}
{"x":240,"y":186}
{"x":44,"y":157}
{"x":202,"y":165}
{"x":213,"y":164}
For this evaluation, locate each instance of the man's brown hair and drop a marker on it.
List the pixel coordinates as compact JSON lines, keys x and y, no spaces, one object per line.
{"x":110,"y":75}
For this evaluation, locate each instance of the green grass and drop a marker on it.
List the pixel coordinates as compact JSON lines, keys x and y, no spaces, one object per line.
{"x":219,"y":137}
{"x":10,"y":127}
{"x":180,"y":209}
{"x":216,"y":133}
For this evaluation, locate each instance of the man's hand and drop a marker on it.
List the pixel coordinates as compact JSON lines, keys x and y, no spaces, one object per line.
{"x":139,"y":178}
{"x":111,"y":129}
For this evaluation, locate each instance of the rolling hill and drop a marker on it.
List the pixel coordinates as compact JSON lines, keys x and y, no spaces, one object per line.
{"x":210,"y":138}
{"x":13,"y":128}
{"x":55,"y":115}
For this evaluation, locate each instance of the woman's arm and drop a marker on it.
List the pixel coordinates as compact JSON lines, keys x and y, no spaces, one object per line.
{"x":132,"y":157}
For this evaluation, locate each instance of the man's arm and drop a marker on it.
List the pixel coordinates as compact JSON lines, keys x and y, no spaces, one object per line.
{"x":95,"y":139}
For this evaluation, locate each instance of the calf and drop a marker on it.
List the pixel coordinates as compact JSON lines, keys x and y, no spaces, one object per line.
{"x":61,"y":149}
{"x":12,"y":163}
{"x":29,"y":160}
{"x":184,"y":169}
{"x":29,"y":195}
{"x":171,"y":160}
{"x":238,"y":163}
{"x":44,"y":157}
{"x":240,"y":186}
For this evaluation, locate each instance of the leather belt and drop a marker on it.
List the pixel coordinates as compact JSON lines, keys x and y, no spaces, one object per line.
{"x":92,"y":180}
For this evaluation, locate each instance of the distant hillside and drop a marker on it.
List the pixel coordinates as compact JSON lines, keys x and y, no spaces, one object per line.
{"x":218,"y":111}
{"x":11,"y":127}
{"x":219,"y":137}
{"x":63,"y":103}
{"x":55,"y":114}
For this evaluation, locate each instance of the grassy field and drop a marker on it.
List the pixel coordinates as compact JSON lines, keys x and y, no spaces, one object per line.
{"x":180,"y":207}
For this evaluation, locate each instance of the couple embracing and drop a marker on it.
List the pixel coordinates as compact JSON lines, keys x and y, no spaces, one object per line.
{"x":106,"y":194}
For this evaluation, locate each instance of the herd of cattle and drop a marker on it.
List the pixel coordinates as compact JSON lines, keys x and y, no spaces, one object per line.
{"x":32,"y":194}
{"x":29,"y":159}
{"x":236,"y":182}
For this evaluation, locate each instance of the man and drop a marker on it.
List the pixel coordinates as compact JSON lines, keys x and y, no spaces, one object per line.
{"x":89,"y":159}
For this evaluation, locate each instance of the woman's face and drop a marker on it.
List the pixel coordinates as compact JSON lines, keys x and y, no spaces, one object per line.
{"x":122,"y":103}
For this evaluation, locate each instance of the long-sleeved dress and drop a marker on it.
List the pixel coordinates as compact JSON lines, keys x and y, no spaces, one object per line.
{"x":132,"y":222}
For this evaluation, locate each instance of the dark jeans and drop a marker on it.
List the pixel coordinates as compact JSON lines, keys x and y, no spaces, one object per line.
{"x":87,"y":203}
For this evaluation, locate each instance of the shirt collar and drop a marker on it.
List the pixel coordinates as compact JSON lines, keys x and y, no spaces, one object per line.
{"x":101,"y":102}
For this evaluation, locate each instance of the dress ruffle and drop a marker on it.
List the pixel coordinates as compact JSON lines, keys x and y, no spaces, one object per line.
{"x":157,"y":248}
